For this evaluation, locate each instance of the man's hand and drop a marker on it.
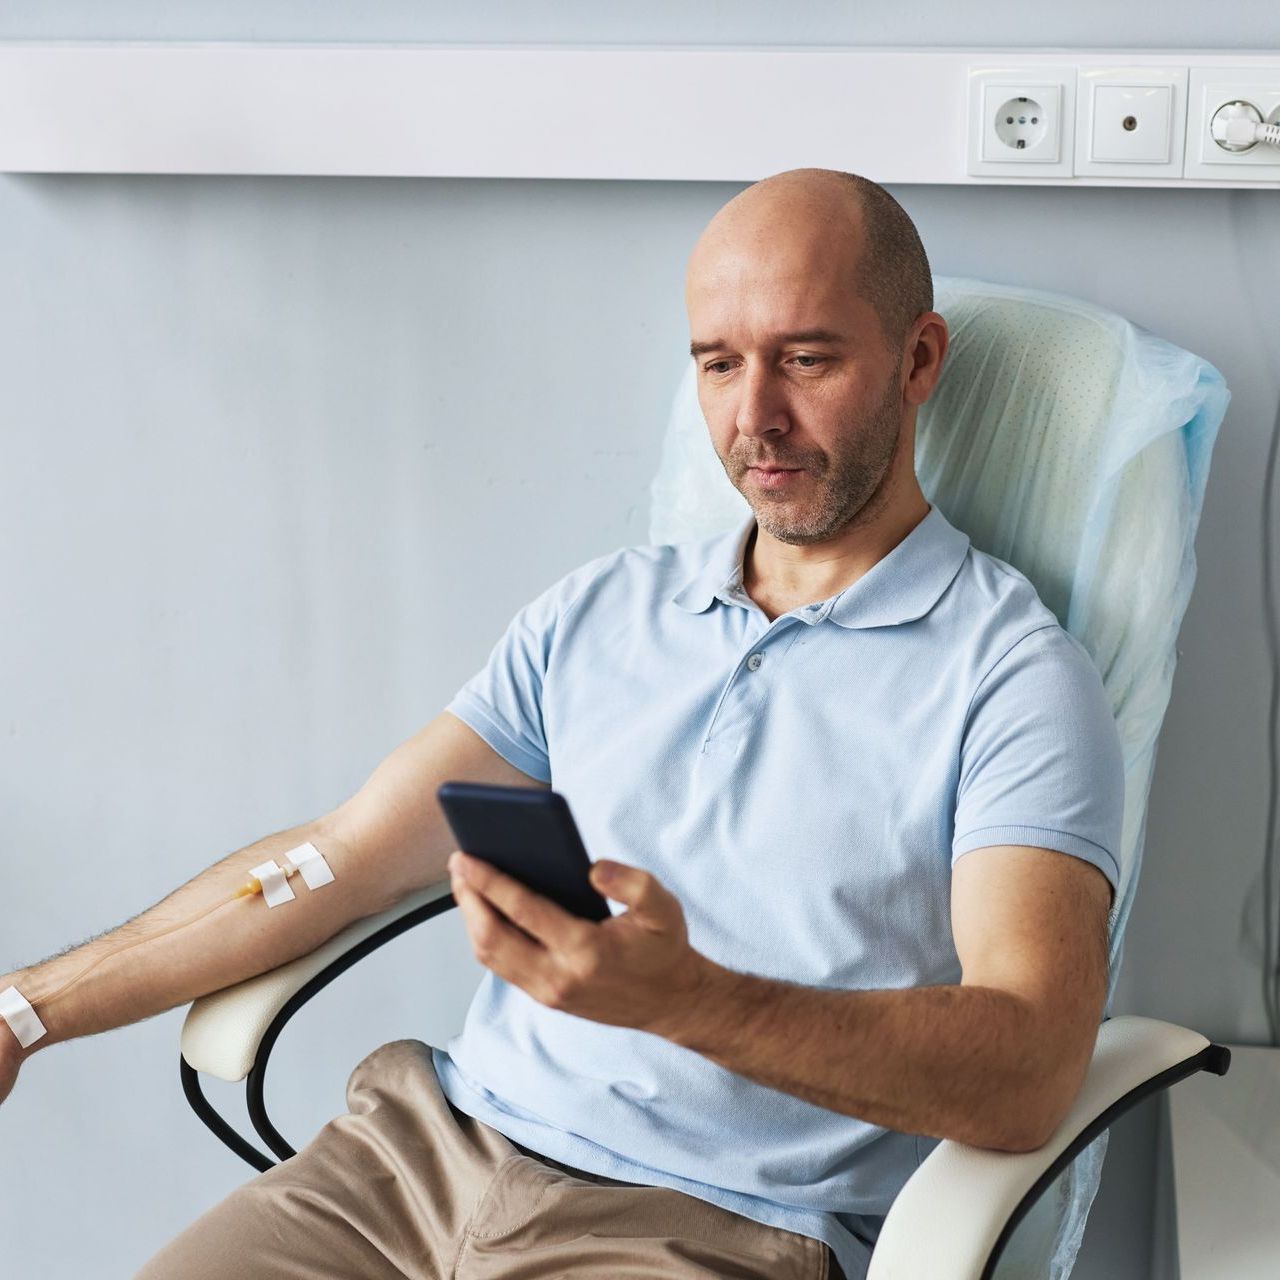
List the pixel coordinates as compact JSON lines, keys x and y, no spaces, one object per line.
{"x":636,"y":969}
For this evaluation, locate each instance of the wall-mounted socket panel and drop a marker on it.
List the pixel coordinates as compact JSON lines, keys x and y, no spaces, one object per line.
{"x":1021,"y":123}
{"x":1122,"y":121}
{"x":1209,"y":90}
{"x":1131,"y":122}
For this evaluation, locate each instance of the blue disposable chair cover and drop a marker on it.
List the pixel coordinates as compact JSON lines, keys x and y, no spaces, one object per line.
{"x":1074,"y":446}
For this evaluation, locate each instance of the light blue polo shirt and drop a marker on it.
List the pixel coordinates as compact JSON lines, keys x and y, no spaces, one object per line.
{"x":803,"y":786}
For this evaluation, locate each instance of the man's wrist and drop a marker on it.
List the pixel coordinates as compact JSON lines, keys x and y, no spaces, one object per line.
{"x":12,"y":1048}
{"x":693,"y":1011}
{"x":15,"y":1050}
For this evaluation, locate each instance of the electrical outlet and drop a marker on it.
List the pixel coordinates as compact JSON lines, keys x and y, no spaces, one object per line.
{"x":1131,"y":122}
{"x":1212,"y":91}
{"x":1021,"y":122}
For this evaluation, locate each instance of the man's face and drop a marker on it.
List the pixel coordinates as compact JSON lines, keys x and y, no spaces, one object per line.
{"x":793,"y":371}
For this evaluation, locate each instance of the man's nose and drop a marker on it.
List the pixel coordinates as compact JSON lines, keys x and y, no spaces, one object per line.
{"x":761,"y":403}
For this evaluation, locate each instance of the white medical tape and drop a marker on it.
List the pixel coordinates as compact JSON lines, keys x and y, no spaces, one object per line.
{"x":275,"y":888}
{"x":310,"y":861}
{"x":21,"y":1017}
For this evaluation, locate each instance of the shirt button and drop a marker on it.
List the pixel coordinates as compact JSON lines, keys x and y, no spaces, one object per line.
{"x":753,"y":662}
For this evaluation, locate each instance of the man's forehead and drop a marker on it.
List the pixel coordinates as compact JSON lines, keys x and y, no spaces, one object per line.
{"x":782,"y":287}
{"x":798,"y":309}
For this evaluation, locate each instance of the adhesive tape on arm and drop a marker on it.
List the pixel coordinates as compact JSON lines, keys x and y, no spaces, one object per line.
{"x":310,"y":861}
{"x":275,"y":888}
{"x":21,"y":1017}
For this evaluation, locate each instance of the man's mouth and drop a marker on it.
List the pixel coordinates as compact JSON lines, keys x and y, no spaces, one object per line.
{"x":774,"y":477}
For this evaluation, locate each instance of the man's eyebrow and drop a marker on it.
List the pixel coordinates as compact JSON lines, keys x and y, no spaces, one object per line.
{"x":697,"y":349}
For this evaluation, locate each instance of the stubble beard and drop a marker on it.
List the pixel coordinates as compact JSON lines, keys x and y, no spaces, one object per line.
{"x":845,"y":487}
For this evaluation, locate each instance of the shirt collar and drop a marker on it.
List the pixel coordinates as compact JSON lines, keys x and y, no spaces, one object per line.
{"x":899,"y":587}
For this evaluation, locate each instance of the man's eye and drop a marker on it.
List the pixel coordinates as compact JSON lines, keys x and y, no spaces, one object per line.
{"x":710,"y":366}
{"x":816,"y":359}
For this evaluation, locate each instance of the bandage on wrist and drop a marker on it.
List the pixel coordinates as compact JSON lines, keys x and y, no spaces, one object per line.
{"x":21,"y":1017}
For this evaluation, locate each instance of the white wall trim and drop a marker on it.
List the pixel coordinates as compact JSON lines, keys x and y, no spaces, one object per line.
{"x":590,"y":112}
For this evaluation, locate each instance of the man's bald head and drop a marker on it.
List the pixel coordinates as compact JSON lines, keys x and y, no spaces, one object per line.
{"x":860,"y":226}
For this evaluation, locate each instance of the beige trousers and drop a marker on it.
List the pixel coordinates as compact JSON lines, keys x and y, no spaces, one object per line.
{"x":406,"y":1185}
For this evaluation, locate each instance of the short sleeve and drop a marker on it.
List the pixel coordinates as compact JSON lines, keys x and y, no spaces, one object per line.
{"x":504,"y":702}
{"x":1040,"y":760}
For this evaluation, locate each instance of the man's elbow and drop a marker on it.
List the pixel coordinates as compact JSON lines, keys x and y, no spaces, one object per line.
{"x":1018,"y":1129}
{"x":1013,"y":1134}
{"x":1019,"y":1139}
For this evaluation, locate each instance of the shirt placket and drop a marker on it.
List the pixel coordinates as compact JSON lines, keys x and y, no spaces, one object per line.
{"x":748,"y":682}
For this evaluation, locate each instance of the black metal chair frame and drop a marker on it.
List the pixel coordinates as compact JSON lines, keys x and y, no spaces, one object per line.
{"x":255,"y":1082}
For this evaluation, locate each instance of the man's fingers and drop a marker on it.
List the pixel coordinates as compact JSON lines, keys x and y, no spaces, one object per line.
{"x":497,"y":943}
{"x":538,"y":916}
{"x":647,"y":899}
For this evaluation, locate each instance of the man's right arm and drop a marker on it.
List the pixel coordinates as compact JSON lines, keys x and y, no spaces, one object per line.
{"x":388,"y":840}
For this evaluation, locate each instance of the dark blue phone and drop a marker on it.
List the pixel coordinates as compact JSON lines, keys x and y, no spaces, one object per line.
{"x":529,"y":833}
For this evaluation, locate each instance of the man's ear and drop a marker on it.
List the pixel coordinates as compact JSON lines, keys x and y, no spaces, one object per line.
{"x":926,"y":349}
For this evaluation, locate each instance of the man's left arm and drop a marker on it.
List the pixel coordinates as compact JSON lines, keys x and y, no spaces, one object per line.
{"x":994,"y":1061}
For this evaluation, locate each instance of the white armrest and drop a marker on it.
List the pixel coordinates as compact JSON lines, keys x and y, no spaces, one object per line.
{"x":222,"y":1030}
{"x":951,"y":1211}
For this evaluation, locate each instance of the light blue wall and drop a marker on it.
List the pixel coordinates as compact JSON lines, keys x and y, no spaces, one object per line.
{"x":281,"y":457}
{"x":1086,"y":24}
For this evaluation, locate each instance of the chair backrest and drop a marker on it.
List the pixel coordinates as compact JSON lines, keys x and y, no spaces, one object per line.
{"x":1075,"y":446}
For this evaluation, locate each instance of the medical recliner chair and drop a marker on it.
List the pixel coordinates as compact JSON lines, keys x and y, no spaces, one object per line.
{"x":1076,"y":447}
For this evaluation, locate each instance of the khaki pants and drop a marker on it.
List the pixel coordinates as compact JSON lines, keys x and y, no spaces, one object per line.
{"x":408,"y":1186}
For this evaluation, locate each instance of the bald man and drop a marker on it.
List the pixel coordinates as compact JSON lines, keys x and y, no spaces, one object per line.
{"x":853,"y":793}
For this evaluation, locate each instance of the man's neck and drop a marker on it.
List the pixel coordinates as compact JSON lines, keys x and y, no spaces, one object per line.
{"x":779,"y":576}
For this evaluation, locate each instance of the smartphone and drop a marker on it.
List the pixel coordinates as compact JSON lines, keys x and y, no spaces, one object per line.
{"x":530,"y":834}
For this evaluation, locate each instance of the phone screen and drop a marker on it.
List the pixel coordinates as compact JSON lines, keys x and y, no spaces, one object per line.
{"x":529,"y":833}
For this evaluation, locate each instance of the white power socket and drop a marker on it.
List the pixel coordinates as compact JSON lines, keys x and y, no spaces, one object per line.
{"x":1021,"y":123}
{"x":1213,"y":89}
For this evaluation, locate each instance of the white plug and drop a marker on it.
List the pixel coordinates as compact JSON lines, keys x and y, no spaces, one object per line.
{"x":1238,"y":126}
{"x":1243,"y":133}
